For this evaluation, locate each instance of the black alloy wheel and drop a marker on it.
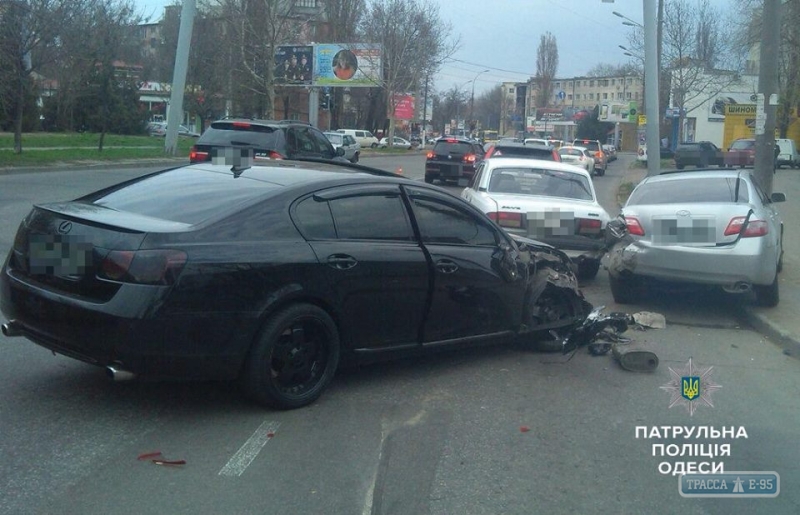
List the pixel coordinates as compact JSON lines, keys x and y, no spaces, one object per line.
{"x":294,"y":358}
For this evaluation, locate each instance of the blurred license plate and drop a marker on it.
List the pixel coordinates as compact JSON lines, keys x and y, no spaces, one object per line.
{"x":684,"y":231}
{"x":59,"y":255}
{"x":544,"y":224}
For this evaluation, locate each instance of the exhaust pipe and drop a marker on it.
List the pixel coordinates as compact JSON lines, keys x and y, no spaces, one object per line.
{"x":11,"y":329}
{"x":118,"y":375}
{"x":740,"y":287}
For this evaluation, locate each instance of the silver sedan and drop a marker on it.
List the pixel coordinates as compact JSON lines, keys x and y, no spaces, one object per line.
{"x":712,"y":227}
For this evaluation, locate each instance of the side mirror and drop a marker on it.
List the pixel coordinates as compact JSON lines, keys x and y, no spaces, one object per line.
{"x":778,"y":197}
{"x":339,"y":151}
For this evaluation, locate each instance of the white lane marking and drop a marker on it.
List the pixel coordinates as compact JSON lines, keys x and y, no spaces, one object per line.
{"x":248,"y":452}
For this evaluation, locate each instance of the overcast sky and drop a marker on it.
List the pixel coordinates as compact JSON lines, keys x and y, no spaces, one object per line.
{"x":503,"y":35}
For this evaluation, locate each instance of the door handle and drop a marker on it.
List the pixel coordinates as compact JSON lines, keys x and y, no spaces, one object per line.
{"x":446,"y":266}
{"x":341,"y":261}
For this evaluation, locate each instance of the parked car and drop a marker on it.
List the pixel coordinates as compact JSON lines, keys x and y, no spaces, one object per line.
{"x":716,"y":228}
{"x":352,"y":149}
{"x":546,"y":201}
{"x":159,"y":129}
{"x":398,"y":142}
{"x":701,"y":154}
{"x":513,"y":148}
{"x":365,"y":138}
{"x":787,"y":153}
{"x":264,"y":139}
{"x":453,"y":159}
{"x":578,"y":156}
{"x":741,"y":153}
{"x":594,"y":146}
{"x":269,"y":275}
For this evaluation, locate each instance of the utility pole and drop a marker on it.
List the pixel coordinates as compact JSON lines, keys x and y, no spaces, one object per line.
{"x":175,"y":114}
{"x":767,"y":98}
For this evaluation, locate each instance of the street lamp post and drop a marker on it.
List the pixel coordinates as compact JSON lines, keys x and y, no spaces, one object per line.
{"x":458,"y":100}
{"x":651,"y":67}
{"x":472,"y":97}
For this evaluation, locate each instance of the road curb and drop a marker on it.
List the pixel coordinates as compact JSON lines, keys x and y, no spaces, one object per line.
{"x":766,"y":327}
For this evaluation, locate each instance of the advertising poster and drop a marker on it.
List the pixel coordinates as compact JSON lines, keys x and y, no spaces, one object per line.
{"x":717,"y":107}
{"x":349,"y":65}
{"x":294,"y":65}
{"x":404,"y":107}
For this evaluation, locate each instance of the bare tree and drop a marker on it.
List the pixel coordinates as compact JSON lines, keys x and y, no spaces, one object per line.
{"x":488,"y":107}
{"x":256,"y":28}
{"x":414,"y":41}
{"x":546,"y":68}
{"x":28,"y":34}
{"x":614,"y":70}
{"x":696,"y":53}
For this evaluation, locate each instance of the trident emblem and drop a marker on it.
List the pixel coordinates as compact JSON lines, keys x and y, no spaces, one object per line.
{"x":690,"y":387}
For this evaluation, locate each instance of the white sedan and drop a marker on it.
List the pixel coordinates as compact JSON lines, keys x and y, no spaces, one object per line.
{"x":578,"y":156}
{"x":547,"y":201}
{"x":397,"y":143}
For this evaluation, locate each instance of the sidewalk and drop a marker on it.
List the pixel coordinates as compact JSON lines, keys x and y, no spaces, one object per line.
{"x":782,"y":323}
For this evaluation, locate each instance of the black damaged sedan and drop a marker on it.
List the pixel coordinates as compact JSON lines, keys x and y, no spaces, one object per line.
{"x":273,"y":273}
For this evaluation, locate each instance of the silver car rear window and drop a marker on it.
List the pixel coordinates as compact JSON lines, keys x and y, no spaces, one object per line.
{"x":691,"y":190}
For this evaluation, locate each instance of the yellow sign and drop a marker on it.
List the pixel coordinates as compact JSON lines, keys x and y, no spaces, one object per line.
{"x":642,"y":119}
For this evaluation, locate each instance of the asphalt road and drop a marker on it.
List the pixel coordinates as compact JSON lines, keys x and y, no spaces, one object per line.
{"x":500,"y":430}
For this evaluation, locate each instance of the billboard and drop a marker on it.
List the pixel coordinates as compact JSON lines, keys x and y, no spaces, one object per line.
{"x":718,"y":105}
{"x":404,"y":107}
{"x":343,"y":64}
{"x":294,"y":65}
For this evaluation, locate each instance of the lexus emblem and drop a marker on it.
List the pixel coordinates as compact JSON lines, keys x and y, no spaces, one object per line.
{"x":64,"y":227}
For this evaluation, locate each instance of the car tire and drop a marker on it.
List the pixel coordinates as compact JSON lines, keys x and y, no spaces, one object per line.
{"x":429,"y":180}
{"x":601,"y":172}
{"x":680,"y":167}
{"x":588,"y":268}
{"x":293,"y":359}
{"x":623,"y":289}
{"x":355,"y":158}
{"x":767,"y":296}
{"x":374,"y":145}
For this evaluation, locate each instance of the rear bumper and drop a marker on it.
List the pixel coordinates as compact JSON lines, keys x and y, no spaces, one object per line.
{"x":749,"y":261}
{"x":128,"y":331}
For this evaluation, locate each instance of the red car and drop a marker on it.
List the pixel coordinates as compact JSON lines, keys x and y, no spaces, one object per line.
{"x":742,"y":152}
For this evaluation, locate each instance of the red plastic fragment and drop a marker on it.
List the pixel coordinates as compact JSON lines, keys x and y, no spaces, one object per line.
{"x":149,"y":455}
{"x":524,"y":429}
{"x":270,"y":434}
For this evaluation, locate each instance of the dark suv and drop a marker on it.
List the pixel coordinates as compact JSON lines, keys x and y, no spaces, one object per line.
{"x":453,"y":159}
{"x":266,"y":139}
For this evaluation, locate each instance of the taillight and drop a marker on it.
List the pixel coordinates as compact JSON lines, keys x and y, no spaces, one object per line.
{"x":430,"y":154}
{"x":245,"y":125}
{"x":142,"y":266}
{"x":469,"y":158}
{"x":274,"y":155}
{"x":598,"y":155}
{"x":754,"y":229}
{"x":633,"y":225}
{"x":505,"y":219}
{"x":588,"y":226}
{"x":198,"y":156}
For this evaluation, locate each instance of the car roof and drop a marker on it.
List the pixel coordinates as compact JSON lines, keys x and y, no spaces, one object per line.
{"x":698,"y":174}
{"x":521,"y":144}
{"x":510,"y":162}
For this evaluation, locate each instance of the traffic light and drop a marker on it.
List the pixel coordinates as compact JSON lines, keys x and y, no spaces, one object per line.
{"x":325,"y":101}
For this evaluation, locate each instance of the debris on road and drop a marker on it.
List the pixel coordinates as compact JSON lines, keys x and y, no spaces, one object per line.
{"x":156,"y":458}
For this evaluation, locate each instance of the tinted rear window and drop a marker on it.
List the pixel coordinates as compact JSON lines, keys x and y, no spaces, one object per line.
{"x":228,"y":134}
{"x":448,"y":147}
{"x":184,"y":195}
{"x":698,"y":190}
{"x":743,"y":144}
{"x":520,"y":151}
